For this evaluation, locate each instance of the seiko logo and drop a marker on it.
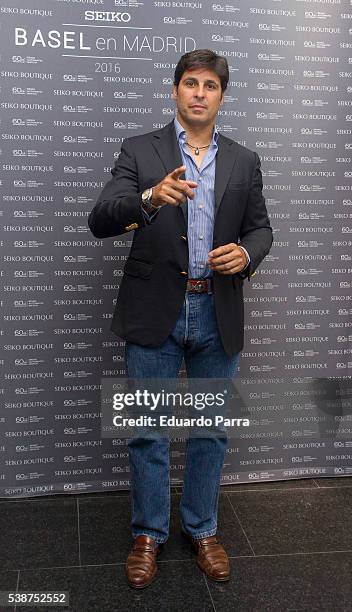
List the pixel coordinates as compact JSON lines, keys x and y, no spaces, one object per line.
{"x":107,"y":16}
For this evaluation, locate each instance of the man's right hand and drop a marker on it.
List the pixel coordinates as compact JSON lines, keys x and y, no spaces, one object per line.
{"x":173,"y":190}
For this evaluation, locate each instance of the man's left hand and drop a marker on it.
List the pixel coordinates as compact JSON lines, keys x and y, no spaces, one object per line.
{"x":227,"y":259}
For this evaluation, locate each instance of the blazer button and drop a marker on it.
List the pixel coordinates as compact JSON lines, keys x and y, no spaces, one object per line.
{"x":133,"y":226}
{"x":184,"y":273}
{"x":184,"y":238}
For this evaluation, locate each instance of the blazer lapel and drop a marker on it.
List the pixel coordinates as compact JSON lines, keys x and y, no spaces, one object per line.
{"x":167,"y":148}
{"x":225,"y":160}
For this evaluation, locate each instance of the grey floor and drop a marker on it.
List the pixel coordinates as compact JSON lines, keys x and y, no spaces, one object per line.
{"x":289,"y":543}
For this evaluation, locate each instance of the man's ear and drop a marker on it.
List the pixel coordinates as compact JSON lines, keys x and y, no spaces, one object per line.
{"x":222,"y":98}
{"x":174,"y":92}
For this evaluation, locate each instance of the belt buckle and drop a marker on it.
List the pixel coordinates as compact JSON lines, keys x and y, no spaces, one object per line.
{"x":198,"y":287}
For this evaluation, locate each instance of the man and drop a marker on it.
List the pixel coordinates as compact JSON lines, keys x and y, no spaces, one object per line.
{"x":191,"y":195}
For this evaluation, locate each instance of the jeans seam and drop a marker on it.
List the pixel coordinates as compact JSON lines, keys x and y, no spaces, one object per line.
{"x":168,"y":493}
{"x":216,"y":500}
{"x":186,"y":319}
{"x":187,"y":449}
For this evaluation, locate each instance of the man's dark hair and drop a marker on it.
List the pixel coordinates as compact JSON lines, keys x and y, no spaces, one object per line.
{"x":203,"y":58}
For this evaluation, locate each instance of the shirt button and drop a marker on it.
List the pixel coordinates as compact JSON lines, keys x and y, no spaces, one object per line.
{"x":201,"y":206}
{"x":201,"y":237}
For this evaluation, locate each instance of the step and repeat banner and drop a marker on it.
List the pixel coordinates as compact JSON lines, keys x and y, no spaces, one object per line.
{"x":79,"y":76}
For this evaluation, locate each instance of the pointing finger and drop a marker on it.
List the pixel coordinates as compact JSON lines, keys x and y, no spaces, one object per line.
{"x":178,"y":172}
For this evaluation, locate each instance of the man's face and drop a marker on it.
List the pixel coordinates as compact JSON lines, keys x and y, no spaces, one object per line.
{"x":198,"y":96}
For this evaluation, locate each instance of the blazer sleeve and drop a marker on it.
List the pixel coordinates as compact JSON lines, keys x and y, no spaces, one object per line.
{"x":256,"y":235}
{"x":118,"y":208}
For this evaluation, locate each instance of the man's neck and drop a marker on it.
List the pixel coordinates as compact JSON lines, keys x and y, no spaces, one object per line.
{"x":197,"y":134}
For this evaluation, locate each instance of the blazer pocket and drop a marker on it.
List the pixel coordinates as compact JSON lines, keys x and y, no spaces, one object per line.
{"x":136,"y":267}
{"x":236,"y":185}
{"x":237,"y":281}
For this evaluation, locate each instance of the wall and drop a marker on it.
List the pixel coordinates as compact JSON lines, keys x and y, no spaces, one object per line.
{"x":77,"y":78}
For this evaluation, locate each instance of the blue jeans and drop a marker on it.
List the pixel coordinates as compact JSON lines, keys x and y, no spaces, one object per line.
{"x":196,"y":338}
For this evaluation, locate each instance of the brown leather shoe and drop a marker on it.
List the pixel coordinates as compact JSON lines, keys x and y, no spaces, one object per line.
{"x":211,"y":557}
{"x":141,"y":564}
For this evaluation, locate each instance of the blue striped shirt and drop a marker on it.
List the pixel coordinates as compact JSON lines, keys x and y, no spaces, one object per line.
{"x":202,"y":208}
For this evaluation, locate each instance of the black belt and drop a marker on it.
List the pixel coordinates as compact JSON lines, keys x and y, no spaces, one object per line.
{"x":200,"y":285}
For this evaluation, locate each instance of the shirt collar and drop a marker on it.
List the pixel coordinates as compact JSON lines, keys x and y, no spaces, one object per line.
{"x":181,"y":132}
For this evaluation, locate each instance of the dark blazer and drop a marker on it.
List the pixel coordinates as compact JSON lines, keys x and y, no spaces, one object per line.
{"x":153,"y":286}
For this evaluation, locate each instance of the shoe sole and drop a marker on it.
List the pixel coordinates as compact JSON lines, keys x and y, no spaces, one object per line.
{"x":141,"y":586}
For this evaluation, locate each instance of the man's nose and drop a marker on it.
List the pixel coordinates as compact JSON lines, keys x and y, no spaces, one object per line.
{"x":199,"y":92}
